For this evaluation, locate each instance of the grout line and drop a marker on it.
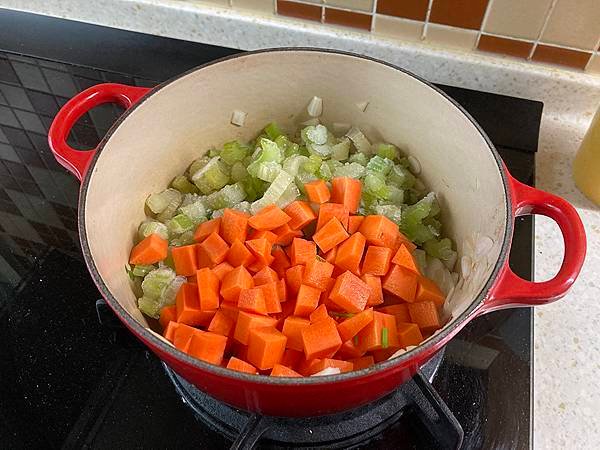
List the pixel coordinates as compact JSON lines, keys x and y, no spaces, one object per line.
{"x":373,"y":15}
{"x":533,"y":41}
{"x":594,"y":53}
{"x":322,"y":11}
{"x":322,"y":5}
{"x":426,"y":22}
{"x":483,"y":22}
{"x":544,"y":26}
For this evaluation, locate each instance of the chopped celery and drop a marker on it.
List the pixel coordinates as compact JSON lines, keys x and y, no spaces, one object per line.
{"x":441,"y":249}
{"x":170,"y":292}
{"x":149,"y":306}
{"x":388,"y":151}
{"x":211,"y":177}
{"x":324,"y":171}
{"x":379,"y":165}
{"x":253,"y":187}
{"x":434,"y":224}
{"x":384,"y":337}
{"x":242,"y":206}
{"x":359,"y":140}
{"x":171,"y":208}
{"x":289,"y":195}
{"x":156,"y":281}
{"x":333,"y":164}
{"x":218,"y":213}
{"x":352,"y":170}
{"x":196,"y":211}
{"x":392,"y":212}
{"x":304,"y":177}
{"x":180,"y":224}
{"x":214,"y":152}
{"x":421,"y":258}
{"x":396,"y":195}
{"x":142,"y":270}
{"x":359,"y":158}
{"x":238,"y":172}
{"x":186,"y":238}
{"x":412,"y":220}
{"x":322,"y":150}
{"x":288,"y":147}
{"x":274,"y":192}
{"x":270,"y":151}
{"x":157,"y":203}
{"x":341,"y":150}
{"x":197,"y":165}
{"x":272,"y":130}
{"x":233,"y":152}
{"x":152,"y":227}
{"x":313,"y":164}
{"x":292,"y":164}
{"x":375,"y":185}
{"x":401,"y":177}
{"x":183,"y":185}
{"x":226,"y":197}
{"x":314,"y":134}
{"x":268,"y":171}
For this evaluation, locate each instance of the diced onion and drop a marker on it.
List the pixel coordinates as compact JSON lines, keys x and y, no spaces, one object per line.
{"x":315,"y":107}
{"x":327,"y":371}
{"x":238,"y":118}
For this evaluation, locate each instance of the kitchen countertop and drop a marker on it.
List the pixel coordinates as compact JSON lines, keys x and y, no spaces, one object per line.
{"x":567,"y":351}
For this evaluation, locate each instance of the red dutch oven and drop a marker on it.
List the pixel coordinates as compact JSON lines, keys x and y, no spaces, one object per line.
{"x":165,"y":128}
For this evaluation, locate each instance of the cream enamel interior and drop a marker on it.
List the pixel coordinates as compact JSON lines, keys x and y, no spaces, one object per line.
{"x":180,"y":121}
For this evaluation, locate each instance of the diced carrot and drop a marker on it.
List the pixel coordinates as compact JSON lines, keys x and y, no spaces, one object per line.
{"x":344,"y":366}
{"x":292,"y":328}
{"x":285,"y":234}
{"x":185,"y":260}
{"x":325,"y":296}
{"x":287,"y":309}
{"x":271,"y":295}
{"x":376,"y":293}
{"x":207,"y":228}
{"x":150,"y":250}
{"x":234,"y":282}
{"x":264,"y":234}
{"x":383,"y":354}
{"x":408,"y":334}
{"x":261,"y":249}
{"x":281,"y":291}
{"x":321,"y":339}
{"x":230,"y":310}
{"x":239,"y":255}
{"x":256,"y":266}
{"x":234,"y":225}
{"x":302,"y":251}
{"x":212,"y":251}
{"x":222,"y":324}
{"x":269,"y":218}
{"x":279,"y":370}
{"x":320,"y":313}
{"x":350,"y":252}
{"x":188,"y":307}
{"x":305,"y":366}
{"x":379,"y":230}
{"x":167,"y":314}
{"x":401,"y":282}
{"x":307,"y":300}
{"x":330,"y":235}
{"x":380,"y":333}
{"x":316,"y":273}
{"x":425,"y":314}
{"x":264,"y":276}
{"x":208,"y":289}
{"x":350,"y":350}
{"x":404,"y":258}
{"x":293,"y":278}
{"x":402,"y":239}
{"x":220,"y":270}
{"x":399,"y":311}
{"x":347,"y":191}
{"x":328,"y":211}
{"x":354,"y":223}
{"x":363,"y":362}
{"x":317,"y":191}
{"x":377,"y":260}
{"x":252,"y":300}
{"x":248,"y":321}
{"x":207,"y":346}
{"x":350,"y":293}
{"x":265,"y":347}
{"x":427,"y":290}
{"x":351,"y":326}
{"x":169,"y":331}
{"x":330,"y":255}
{"x":182,"y":335}
{"x":301,"y":214}
{"x":280,"y":262}
{"x":291,"y":358}
{"x":241,"y":366}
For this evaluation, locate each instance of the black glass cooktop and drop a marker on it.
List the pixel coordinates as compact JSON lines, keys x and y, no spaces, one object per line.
{"x":71,"y":377}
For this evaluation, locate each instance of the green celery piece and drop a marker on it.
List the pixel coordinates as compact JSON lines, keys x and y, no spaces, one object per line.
{"x":321,"y":150}
{"x":289,"y":195}
{"x":254,"y":188}
{"x":183,"y":185}
{"x":341,"y":150}
{"x":288,"y":147}
{"x":180,"y":224}
{"x":149,"y":306}
{"x":167,"y":213}
{"x":242,"y":206}
{"x":212,"y":177}
{"x":270,"y":151}
{"x":218,"y":213}
{"x":142,"y":270}
{"x":198,"y":164}
{"x":153,"y":227}
{"x":186,"y":238}
{"x":392,"y":212}
{"x":359,"y":158}
{"x":292,"y":164}
{"x":268,"y":171}
{"x":401,"y":177}
{"x":396,"y":195}
{"x":233,"y":152}
{"x":170,"y":292}
{"x":248,"y":160}
{"x":375,"y":185}
{"x":273,"y":131}
{"x":359,"y":140}
{"x":196,"y":211}
{"x":313,"y":164}
{"x":226,"y":197}
{"x":314,"y":134}
{"x":412,"y":220}
{"x":214,"y":152}
{"x":441,"y":249}
{"x":352,"y":170}
{"x":388,"y":151}
{"x":404,"y":162}
{"x":325,"y":171}
{"x":274,"y":192}
{"x":302,"y":178}
{"x":421,"y":258}
{"x":158,"y":202}
{"x":156,"y":281}
{"x":238,"y":172}
{"x":434,"y":224}
{"x":384,"y":338}
{"x":379,"y":165}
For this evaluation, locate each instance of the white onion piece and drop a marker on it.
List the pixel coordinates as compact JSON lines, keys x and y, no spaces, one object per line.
{"x":238,"y":118}
{"x":362,"y":106}
{"x":415,"y":165}
{"x":466,"y":264}
{"x":315,"y":107}
{"x":327,"y":371}
{"x":410,"y":347}
{"x":454,"y":277}
{"x":482,"y":246}
{"x":450,"y":262}
{"x":397,"y":353}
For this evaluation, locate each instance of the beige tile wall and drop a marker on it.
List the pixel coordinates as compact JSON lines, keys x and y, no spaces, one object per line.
{"x":557,"y":32}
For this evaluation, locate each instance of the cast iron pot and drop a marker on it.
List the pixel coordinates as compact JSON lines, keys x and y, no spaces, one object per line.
{"x":165,"y":128}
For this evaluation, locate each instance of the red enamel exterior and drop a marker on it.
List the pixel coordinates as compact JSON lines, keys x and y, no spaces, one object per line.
{"x":285,"y":397}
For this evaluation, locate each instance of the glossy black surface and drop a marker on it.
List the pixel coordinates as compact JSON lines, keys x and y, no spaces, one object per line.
{"x":65,"y":379}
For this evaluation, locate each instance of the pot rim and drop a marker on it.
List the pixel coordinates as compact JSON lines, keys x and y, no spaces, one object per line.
{"x":429,"y":347}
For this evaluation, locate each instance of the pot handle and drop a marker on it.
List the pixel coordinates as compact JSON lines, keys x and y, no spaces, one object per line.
{"x":77,"y":161}
{"x":512,"y":290}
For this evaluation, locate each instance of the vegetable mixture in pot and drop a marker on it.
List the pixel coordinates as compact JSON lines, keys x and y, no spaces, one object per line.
{"x":295,"y":255}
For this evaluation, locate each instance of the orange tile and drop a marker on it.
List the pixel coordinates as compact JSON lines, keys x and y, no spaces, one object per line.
{"x":299,"y":10}
{"x":459,"y":13}
{"x":347,"y":19}
{"x":561,"y":56}
{"x":504,"y":46}
{"x":409,"y":9}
